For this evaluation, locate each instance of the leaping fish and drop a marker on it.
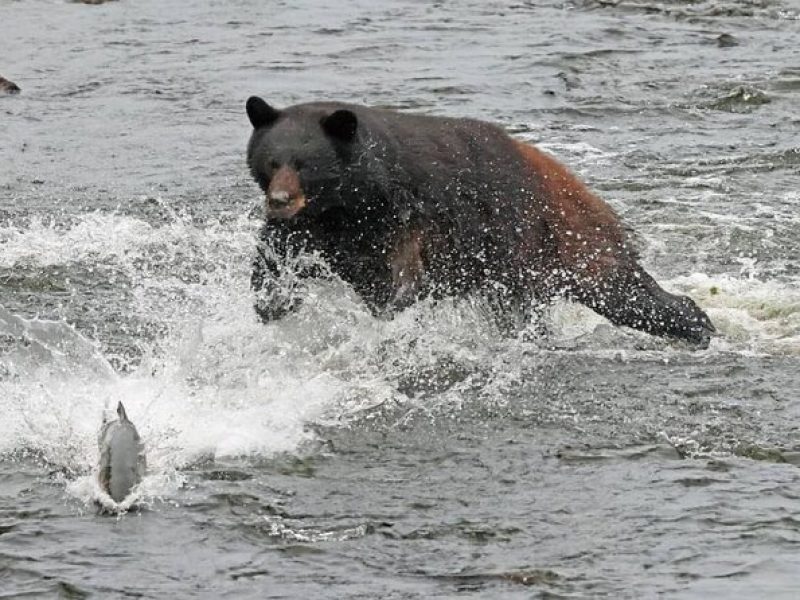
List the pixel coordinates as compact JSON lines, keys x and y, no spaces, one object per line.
{"x":122,"y":458}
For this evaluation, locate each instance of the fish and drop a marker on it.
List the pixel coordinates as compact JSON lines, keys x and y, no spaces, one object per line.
{"x":122,"y":456}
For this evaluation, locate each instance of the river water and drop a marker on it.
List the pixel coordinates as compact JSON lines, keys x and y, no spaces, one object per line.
{"x":336,"y":455}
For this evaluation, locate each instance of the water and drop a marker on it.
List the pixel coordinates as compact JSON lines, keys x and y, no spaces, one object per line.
{"x":336,"y":455}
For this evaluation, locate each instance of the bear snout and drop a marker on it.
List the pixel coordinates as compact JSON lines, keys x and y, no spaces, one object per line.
{"x":285,"y":196}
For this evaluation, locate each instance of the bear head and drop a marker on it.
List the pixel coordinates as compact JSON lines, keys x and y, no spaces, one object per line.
{"x":300,"y":156}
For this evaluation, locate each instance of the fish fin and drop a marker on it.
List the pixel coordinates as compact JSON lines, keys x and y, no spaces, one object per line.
{"x":121,"y":412}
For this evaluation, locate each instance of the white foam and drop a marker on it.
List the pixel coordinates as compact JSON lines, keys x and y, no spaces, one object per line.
{"x":44,"y":242}
{"x":750,"y":314}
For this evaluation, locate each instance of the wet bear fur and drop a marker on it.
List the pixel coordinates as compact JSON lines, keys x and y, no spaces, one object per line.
{"x":402,"y":206}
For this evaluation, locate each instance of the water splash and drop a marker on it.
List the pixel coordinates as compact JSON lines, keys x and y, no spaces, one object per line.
{"x":217,"y":383}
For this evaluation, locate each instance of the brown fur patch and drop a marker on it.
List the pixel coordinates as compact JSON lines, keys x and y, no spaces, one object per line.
{"x":587,"y":232}
{"x":408,"y":269}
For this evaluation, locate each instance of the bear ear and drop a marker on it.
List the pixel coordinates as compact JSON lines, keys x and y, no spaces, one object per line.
{"x":261,"y":113}
{"x":341,"y":124}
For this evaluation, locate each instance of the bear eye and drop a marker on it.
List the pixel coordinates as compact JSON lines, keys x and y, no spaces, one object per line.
{"x":274,"y":165}
{"x":299,"y":164}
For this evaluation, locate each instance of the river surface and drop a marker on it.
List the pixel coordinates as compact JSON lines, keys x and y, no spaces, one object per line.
{"x":337,"y":455}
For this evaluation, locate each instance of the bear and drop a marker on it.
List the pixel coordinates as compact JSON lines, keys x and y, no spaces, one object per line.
{"x":403,"y":206}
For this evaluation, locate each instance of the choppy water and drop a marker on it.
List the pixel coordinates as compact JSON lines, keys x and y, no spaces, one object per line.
{"x":335,"y":455}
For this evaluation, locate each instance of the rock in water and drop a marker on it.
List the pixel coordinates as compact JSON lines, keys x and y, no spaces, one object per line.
{"x":726,"y":40}
{"x":8,"y":87}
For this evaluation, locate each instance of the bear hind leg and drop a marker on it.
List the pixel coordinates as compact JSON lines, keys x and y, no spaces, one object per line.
{"x":632,"y":298}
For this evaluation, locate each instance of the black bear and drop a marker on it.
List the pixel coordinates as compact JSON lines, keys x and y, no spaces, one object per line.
{"x":403,"y":205}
